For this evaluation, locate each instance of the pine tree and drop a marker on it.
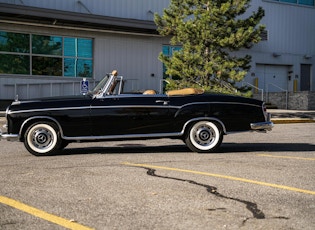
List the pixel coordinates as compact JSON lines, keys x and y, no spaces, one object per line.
{"x":209,"y":32}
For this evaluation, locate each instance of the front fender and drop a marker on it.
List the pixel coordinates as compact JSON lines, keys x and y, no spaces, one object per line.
{"x":30,"y":120}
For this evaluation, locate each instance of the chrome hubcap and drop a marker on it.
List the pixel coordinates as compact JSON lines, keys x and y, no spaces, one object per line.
{"x":204,"y":135}
{"x":42,"y":138}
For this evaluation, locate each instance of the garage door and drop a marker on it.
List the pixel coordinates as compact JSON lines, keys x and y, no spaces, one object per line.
{"x":272,"y":78}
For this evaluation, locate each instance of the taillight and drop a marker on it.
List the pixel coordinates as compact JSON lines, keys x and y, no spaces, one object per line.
{"x":264,"y":108}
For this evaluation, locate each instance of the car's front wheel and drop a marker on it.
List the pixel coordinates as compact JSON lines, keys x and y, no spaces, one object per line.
{"x":204,"y":137}
{"x":42,"y":139}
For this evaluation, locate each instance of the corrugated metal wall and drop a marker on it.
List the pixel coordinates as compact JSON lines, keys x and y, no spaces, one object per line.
{"x":135,"y":58}
{"x":291,"y":28}
{"x":291,"y":36}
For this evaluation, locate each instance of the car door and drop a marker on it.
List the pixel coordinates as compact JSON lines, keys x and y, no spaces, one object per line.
{"x":135,"y":114}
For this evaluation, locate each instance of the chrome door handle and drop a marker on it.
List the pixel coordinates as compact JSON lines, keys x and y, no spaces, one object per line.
{"x":161,"y":101}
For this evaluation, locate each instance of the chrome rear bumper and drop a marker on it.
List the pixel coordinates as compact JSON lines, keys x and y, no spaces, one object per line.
{"x":263,"y":126}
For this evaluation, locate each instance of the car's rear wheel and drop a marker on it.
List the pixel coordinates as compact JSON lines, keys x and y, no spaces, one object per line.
{"x":42,"y":139}
{"x":204,"y":137}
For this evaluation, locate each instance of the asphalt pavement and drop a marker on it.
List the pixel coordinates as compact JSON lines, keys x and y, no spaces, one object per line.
{"x":254,"y":181}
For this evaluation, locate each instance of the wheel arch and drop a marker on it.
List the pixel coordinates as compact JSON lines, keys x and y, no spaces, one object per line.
{"x":34,"y":119}
{"x":194,"y":120}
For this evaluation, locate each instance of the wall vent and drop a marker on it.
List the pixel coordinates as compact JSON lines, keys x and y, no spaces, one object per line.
{"x":264,"y":35}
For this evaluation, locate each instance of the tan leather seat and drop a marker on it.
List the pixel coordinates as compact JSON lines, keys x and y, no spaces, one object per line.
{"x":186,"y":91}
{"x":149,"y":91}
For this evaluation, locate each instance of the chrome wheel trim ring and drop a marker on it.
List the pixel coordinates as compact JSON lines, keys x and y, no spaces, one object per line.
{"x":204,"y":135}
{"x":42,"y":138}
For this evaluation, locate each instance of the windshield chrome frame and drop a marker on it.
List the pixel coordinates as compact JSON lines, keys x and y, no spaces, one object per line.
{"x":105,"y":90}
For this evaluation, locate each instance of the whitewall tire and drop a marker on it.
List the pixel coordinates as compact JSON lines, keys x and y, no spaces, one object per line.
{"x":42,"y":139}
{"x":204,"y":136}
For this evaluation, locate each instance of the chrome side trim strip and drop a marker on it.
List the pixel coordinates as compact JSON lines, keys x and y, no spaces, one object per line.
{"x":93,"y":107}
{"x":220,"y":102}
{"x":49,"y":109}
{"x":134,"y":106}
{"x":128,"y":136}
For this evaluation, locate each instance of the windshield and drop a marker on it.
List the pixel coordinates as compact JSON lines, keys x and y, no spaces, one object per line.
{"x":100,"y":86}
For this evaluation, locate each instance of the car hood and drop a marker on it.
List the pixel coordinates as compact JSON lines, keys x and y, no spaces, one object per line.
{"x":50,"y":102}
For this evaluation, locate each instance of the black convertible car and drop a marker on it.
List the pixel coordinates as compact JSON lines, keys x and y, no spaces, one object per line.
{"x":48,"y":125}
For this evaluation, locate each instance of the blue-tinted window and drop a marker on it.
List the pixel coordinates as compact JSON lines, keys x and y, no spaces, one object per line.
{"x":33,"y":54}
{"x":78,"y":54}
{"x":298,"y":2}
{"x":69,"y":67}
{"x":14,"y":53}
{"x":307,"y":2}
{"x":168,"y":50}
{"x":78,"y":67}
{"x":47,"y":66}
{"x":50,"y":45}
{"x":289,"y":1}
{"x":70,"y":47}
{"x":14,"y":64}
{"x":14,"y":42}
{"x":78,"y":47}
{"x":84,"y":68}
{"x":85,"y":48}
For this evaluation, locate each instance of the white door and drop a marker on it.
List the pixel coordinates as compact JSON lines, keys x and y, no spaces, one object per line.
{"x":272,"y":78}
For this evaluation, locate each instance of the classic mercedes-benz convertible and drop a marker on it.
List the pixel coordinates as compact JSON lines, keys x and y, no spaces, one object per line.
{"x":48,"y":125}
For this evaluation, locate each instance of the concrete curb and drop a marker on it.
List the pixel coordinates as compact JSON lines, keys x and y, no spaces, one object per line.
{"x":279,"y":116}
{"x":292,"y":120}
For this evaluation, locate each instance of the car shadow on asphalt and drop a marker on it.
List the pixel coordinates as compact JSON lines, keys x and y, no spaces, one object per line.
{"x":225,"y":148}
{"x":134,"y":149}
{"x":266,"y":147}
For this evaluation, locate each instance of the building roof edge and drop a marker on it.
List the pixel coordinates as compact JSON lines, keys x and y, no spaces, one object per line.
{"x":67,"y":18}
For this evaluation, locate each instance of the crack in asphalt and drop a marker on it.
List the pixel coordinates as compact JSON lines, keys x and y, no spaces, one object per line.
{"x":252,"y":207}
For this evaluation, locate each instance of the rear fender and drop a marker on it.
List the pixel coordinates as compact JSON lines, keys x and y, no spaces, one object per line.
{"x":195,"y":109}
{"x":211,"y":119}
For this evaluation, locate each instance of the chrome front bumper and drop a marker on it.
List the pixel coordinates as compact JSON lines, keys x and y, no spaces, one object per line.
{"x":263,"y":126}
{"x":9,"y":137}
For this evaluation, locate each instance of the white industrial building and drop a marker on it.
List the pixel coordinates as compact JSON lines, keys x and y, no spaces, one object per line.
{"x":47,"y":47}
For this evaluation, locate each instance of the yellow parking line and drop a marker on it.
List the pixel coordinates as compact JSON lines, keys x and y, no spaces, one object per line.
{"x":224,"y":177}
{"x":289,"y":157}
{"x":42,"y":214}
